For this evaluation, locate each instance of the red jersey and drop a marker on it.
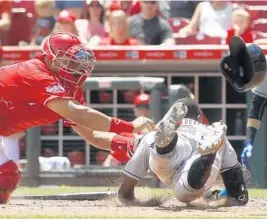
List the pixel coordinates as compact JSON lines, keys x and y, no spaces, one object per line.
{"x":25,"y":90}
{"x":133,"y":8}
{"x":247,"y":36}
{"x":5,"y":6}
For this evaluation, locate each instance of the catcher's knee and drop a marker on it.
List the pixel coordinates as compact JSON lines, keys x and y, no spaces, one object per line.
{"x":234,"y":182}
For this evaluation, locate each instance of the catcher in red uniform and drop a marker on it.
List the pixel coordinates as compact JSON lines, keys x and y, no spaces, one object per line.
{"x":48,"y":88}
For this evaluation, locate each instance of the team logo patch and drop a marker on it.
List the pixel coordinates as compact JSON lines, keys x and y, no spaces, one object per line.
{"x":55,"y":88}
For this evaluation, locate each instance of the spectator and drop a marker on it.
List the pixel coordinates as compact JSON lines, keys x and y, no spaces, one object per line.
{"x":76,"y":6}
{"x":92,"y":28}
{"x":150,"y":28}
{"x":5,"y":19}
{"x":23,"y":15}
{"x":118,"y":30}
{"x":141,"y":105}
{"x":141,"y":108}
{"x":45,"y":11}
{"x":183,"y":9}
{"x":5,"y":12}
{"x":240,"y":26}
{"x":130,"y":7}
{"x":212,"y":18}
{"x":66,"y":22}
{"x":164,"y":9}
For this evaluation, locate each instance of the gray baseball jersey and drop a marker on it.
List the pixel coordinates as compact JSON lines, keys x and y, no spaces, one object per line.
{"x":261,"y":90}
{"x":190,"y":133}
{"x":138,"y":165}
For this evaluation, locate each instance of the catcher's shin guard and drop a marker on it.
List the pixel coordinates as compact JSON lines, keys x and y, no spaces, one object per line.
{"x":9,"y":180}
{"x":235,"y":185}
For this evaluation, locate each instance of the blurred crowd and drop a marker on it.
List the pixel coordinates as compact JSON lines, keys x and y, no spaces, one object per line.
{"x":132,"y":22}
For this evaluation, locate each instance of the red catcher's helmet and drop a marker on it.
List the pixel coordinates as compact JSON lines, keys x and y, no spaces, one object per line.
{"x":70,"y":57}
{"x":142,"y":100}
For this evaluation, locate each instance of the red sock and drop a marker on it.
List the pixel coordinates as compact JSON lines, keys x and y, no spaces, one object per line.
{"x":120,"y":143}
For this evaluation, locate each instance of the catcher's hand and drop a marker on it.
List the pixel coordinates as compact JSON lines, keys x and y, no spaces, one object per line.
{"x":143,"y":124}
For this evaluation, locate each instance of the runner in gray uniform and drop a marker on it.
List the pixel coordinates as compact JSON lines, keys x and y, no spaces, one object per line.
{"x":255,"y":114}
{"x":187,"y":156}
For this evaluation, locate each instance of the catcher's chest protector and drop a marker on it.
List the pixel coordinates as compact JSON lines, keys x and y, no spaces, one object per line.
{"x":245,"y":67}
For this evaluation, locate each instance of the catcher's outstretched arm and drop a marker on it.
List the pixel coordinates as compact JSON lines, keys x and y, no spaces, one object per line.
{"x":98,"y":139}
{"x":92,"y":119}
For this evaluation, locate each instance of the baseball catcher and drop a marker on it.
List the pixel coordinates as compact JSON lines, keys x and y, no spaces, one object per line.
{"x":48,"y":88}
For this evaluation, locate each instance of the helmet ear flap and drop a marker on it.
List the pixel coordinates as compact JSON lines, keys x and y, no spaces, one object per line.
{"x":46,"y":48}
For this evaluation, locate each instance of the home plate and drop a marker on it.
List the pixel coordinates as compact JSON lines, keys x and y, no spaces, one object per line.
{"x":89,"y":196}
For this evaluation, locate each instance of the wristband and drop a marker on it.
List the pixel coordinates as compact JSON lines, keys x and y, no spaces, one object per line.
{"x":120,"y":143}
{"x":119,"y":126}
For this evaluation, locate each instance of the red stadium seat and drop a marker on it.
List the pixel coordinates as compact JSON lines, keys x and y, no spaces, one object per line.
{"x":259,"y":35}
{"x":263,"y":13}
{"x":178,"y":23}
{"x":199,"y":39}
{"x":260,"y":25}
{"x":256,"y":12}
{"x":240,"y":2}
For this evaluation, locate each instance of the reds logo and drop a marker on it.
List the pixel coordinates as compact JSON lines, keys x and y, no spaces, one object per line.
{"x":55,"y":89}
{"x":5,"y":105}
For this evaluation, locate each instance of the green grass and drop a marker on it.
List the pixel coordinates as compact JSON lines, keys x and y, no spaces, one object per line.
{"x":125,"y":217}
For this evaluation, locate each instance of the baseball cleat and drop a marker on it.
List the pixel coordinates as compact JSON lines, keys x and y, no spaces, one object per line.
{"x":166,"y":128}
{"x":214,"y":195}
{"x":213,"y":139}
{"x":9,"y":180}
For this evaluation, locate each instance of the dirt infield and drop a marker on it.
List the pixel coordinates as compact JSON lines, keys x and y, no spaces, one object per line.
{"x":111,"y":207}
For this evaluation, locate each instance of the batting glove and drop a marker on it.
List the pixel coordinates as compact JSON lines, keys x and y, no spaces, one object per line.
{"x":247,"y":152}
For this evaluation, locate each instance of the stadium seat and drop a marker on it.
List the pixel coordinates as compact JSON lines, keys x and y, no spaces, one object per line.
{"x":256,"y":12}
{"x":178,"y":23}
{"x":240,"y":2}
{"x":260,"y":25}
{"x":199,"y":39}
{"x":259,"y":35}
{"x":105,"y":97}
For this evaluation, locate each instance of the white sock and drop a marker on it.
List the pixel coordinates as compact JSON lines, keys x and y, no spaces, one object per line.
{"x":11,"y":145}
{"x":3,"y":158}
